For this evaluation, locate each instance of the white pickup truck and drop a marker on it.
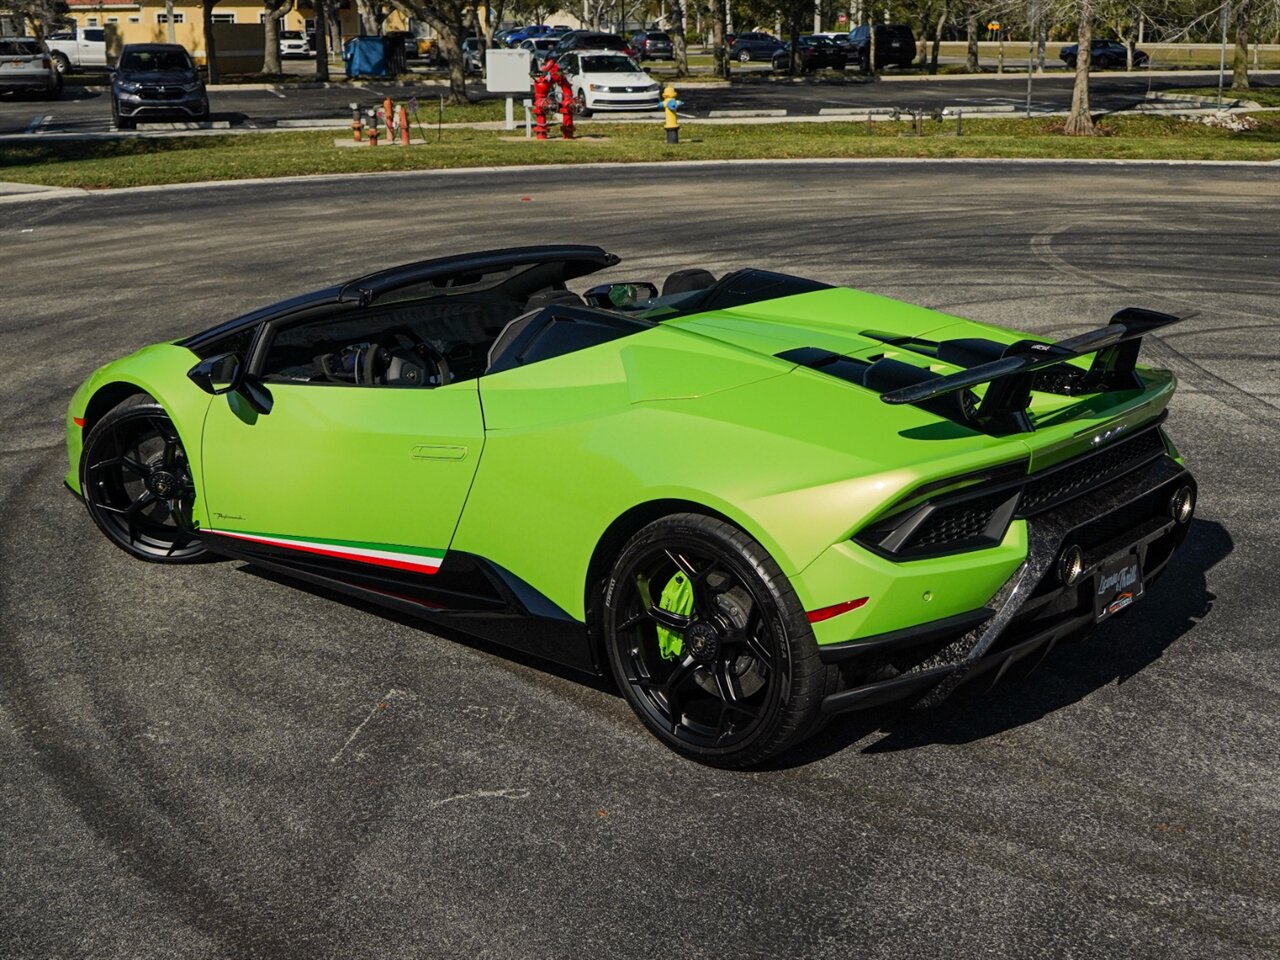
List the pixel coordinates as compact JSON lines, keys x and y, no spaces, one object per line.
{"x":84,"y":50}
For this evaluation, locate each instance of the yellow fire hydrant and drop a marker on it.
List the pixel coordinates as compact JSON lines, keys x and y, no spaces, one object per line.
{"x":669,"y":106}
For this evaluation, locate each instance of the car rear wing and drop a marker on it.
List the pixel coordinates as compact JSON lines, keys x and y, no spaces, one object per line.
{"x":1013,"y":370}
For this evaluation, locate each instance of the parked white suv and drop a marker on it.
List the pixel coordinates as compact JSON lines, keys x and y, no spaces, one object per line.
{"x":26,"y":67}
{"x":79,"y":50}
{"x":293,"y":43}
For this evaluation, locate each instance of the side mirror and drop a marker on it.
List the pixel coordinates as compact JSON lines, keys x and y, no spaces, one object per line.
{"x":218,"y":375}
{"x":225,"y":373}
{"x":613,"y":296}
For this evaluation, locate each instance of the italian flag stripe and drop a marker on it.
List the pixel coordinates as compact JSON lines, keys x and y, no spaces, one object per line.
{"x":414,"y":559}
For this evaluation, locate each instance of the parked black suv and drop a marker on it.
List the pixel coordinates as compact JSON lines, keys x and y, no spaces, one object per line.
{"x":754,"y":46}
{"x":895,"y":45}
{"x":1103,"y":54}
{"x":814,"y":53}
{"x":652,"y":45}
{"x":156,"y":80}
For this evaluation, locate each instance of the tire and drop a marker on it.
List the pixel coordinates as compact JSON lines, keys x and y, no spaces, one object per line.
{"x":136,"y":483}
{"x":121,"y":123}
{"x":736,"y":679}
{"x":1070,"y":62}
{"x":60,"y":62}
{"x":744,"y":56}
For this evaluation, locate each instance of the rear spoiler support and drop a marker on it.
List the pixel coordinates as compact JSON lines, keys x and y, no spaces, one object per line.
{"x":1012,"y":375}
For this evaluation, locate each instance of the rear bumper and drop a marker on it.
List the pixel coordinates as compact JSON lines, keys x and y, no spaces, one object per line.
{"x":1033,"y":610}
{"x":45,"y":84}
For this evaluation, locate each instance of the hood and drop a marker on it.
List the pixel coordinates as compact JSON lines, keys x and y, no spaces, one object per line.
{"x":619,"y":79}
{"x":171,"y":77}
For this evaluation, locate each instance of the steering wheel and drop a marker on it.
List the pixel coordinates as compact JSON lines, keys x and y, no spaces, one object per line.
{"x":389,"y":362}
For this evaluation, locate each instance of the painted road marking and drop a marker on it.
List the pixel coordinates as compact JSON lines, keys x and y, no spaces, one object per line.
{"x":276,"y":93}
{"x":35,"y":123}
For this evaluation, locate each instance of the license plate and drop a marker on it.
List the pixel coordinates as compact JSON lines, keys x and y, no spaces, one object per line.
{"x":1118,"y":585}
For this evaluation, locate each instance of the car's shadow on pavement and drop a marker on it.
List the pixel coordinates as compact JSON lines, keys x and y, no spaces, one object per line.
{"x":1115,"y":652}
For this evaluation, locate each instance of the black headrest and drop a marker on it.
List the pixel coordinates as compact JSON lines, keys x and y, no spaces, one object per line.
{"x":682,"y":281}
{"x":544,"y":298}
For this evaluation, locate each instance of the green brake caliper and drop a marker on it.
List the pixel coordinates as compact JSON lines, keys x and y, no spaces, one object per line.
{"x":677,"y":597}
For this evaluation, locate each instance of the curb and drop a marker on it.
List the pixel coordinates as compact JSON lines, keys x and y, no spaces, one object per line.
{"x":40,"y":192}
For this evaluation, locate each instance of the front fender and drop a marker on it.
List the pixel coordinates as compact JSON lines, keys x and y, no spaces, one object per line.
{"x":160,"y":371}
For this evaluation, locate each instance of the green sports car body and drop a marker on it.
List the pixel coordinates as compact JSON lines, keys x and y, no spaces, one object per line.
{"x":858,"y":500}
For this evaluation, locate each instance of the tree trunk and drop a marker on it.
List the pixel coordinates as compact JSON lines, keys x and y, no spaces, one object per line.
{"x":679,"y":50}
{"x":717,"y":39}
{"x":1129,"y":45}
{"x":1080,"y":121}
{"x":1240,"y":62}
{"x":271,"y":36}
{"x":210,"y":46}
{"x":451,"y":42}
{"x":871,"y":43}
{"x":937,"y":39}
{"x":369,"y":25}
{"x":971,"y":34}
{"x":322,"y":41}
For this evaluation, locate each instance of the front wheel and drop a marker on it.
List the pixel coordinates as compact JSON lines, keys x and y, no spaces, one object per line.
{"x":709,"y":643}
{"x":137,"y":483}
{"x":744,"y":56}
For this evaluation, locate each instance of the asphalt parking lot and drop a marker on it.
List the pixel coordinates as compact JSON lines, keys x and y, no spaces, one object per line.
{"x":85,"y":106}
{"x":206,"y":762}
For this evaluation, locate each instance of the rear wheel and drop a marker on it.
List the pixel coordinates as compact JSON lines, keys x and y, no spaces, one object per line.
{"x":137,"y":483}
{"x":60,"y":62}
{"x":744,"y":56}
{"x":710,"y":644}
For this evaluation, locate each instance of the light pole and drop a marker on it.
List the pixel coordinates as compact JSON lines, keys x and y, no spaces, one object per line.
{"x":1222,"y":56}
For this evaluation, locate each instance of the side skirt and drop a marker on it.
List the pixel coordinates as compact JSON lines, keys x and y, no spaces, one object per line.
{"x":467,"y":593}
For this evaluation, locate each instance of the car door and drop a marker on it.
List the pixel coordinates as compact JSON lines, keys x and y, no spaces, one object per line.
{"x":355,"y":474}
{"x":92,"y":46}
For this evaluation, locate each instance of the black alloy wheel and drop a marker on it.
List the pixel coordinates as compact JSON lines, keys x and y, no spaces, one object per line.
{"x":709,"y":643}
{"x":136,"y":482}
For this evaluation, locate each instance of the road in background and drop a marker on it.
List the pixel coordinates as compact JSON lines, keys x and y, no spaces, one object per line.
{"x":88,"y":110}
{"x":207,"y":762}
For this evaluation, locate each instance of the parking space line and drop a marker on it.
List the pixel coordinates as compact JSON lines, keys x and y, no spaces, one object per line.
{"x":35,"y":123}
{"x":276,"y":93}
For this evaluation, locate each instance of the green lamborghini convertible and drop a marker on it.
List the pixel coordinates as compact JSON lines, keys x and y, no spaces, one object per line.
{"x":756,"y":500}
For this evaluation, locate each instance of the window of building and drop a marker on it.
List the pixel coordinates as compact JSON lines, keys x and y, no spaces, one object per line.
{"x":135,"y":19}
{"x":177,"y":18}
{"x":224,"y":18}
{"x":91,"y":21}
{"x":113,"y":19}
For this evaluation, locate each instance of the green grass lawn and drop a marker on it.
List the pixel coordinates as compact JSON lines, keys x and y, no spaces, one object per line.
{"x":133,"y":162}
